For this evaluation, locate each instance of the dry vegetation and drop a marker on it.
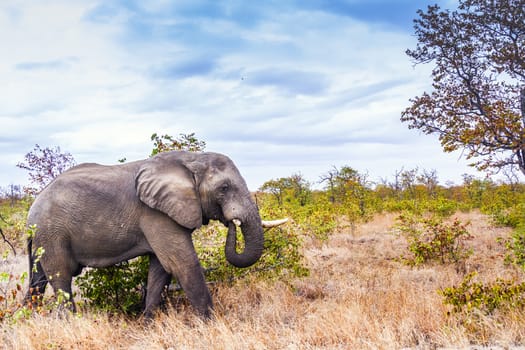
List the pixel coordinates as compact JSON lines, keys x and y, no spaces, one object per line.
{"x":358,"y":296}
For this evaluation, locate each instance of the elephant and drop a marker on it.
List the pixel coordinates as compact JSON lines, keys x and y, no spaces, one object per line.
{"x":97,"y":215}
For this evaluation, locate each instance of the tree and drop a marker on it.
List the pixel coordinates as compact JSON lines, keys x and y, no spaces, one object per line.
{"x":185,"y":142}
{"x":12,"y":193}
{"x":349,"y":188}
{"x":478,"y":98}
{"x":294,"y":188}
{"x":330,"y":177}
{"x":276,"y":188}
{"x":429,"y":179}
{"x":345,"y":182}
{"x":408,"y":181}
{"x":44,"y":164}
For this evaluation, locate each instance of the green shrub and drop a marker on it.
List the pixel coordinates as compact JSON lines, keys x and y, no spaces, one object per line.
{"x":281,"y":257}
{"x":442,"y":207}
{"x":13,"y":217}
{"x":119,"y":288}
{"x":513,"y":216}
{"x":431,"y":239}
{"x":394,"y":205}
{"x":13,"y":307}
{"x":516,"y":247}
{"x":317,"y":218}
{"x":472,"y":296}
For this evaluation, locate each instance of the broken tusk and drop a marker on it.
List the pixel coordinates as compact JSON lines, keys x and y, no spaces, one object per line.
{"x":273,"y":223}
{"x":237,"y":222}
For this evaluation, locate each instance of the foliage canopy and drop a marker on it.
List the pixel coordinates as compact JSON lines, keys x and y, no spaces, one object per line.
{"x":43,"y":165}
{"x":185,"y":142}
{"x":478,"y":98}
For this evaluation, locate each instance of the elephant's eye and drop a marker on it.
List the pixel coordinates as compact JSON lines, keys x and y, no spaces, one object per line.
{"x":224,"y":188}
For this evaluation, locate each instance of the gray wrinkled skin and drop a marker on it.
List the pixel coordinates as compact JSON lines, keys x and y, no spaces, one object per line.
{"x":95,"y":215}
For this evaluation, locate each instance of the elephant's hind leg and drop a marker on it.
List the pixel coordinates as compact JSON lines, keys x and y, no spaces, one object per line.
{"x":37,"y":284}
{"x":158,"y":278}
{"x":60,"y":268}
{"x":61,"y":284}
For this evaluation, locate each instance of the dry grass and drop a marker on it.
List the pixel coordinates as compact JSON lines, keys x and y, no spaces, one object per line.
{"x":358,"y":296}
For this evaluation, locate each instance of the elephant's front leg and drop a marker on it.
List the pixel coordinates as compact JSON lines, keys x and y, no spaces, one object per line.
{"x":173,"y":247}
{"x":191,"y":278}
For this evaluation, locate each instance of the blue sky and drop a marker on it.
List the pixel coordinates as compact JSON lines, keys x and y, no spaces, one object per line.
{"x":280,"y":86}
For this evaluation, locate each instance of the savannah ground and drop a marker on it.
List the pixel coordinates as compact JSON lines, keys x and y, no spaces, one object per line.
{"x":358,"y":296}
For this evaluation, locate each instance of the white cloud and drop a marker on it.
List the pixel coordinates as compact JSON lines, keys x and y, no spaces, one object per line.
{"x":294,"y":91}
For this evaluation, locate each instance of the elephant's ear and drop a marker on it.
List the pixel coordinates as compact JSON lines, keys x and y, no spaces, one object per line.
{"x":170,"y":188}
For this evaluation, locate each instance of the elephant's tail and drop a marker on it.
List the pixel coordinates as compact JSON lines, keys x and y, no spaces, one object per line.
{"x":37,"y":277}
{"x":30,"y":257}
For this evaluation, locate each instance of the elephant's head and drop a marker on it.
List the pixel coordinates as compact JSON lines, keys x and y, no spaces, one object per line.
{"x":193,"y":188}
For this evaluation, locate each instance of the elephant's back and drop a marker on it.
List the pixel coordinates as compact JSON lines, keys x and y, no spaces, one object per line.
{"x":92,"y":178}
{"x":83,"y":189}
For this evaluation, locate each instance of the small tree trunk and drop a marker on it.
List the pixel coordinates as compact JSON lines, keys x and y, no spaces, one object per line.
{"x":522,"y":104}
{"x":521,"y":151}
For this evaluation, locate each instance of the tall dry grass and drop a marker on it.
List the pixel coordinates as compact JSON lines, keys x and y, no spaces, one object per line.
{"x":358,"y":296}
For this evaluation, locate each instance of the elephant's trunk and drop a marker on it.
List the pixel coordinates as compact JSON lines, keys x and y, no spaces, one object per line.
{"x":253,"y":243}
